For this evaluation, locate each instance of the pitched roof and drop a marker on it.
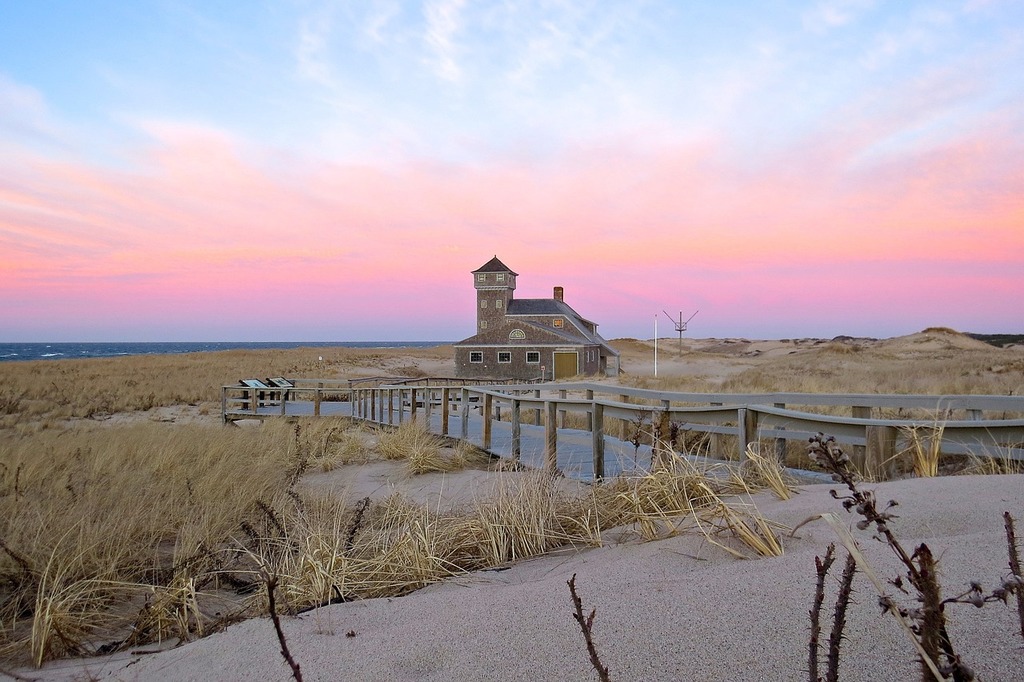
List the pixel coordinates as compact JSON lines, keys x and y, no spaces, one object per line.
{"x":494,"y":265}
{"x":551,"y":306}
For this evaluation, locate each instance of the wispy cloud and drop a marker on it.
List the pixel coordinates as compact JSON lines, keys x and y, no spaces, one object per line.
{"x":379,"y":19}
{"x":311,"y":53}
{"x":832,"y":14}
{"x":25,"y":115}
{"x":444,"y":22}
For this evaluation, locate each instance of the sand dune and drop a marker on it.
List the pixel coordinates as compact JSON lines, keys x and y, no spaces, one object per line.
{"x":678,"y":608}
{"x":672,"y":609}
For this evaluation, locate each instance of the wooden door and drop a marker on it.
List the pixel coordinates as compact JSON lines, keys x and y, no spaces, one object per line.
{"x":566,"y":365}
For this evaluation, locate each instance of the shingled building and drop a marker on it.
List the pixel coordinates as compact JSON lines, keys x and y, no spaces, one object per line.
{"x":530,"y":338}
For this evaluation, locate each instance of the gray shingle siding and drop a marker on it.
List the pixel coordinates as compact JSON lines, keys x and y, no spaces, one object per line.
{"x":522,"y":327}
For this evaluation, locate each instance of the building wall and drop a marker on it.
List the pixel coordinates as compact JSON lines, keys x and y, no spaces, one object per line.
{"x":518,"y":367}
{"x":492,"y":298}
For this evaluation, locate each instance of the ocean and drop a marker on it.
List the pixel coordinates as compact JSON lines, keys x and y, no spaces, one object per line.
{"x":61,"y":351}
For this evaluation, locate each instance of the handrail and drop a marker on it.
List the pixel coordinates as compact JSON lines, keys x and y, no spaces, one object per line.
{"x":745,"y":417}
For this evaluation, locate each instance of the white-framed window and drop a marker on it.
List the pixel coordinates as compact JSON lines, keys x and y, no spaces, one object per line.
{"x":504,"y":357}
{"x":481,"y":277}
{"x":483,"y":303}
{"x":500,"y":277}
{"x":483,"y":324}
{"x":476,"y":356}
{"x":532,"y":357}
{"x":497,"y":304}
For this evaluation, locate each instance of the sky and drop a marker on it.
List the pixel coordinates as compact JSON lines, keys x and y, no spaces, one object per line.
{"x":175,"y":170}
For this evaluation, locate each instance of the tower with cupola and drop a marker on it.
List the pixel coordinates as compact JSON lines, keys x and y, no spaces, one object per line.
{"x":494,"y":283}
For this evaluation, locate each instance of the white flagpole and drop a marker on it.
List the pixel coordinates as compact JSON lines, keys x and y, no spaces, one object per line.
{"x":655,"y":345}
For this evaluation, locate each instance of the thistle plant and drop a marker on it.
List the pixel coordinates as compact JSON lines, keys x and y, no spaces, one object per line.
{"x":939,"y":659}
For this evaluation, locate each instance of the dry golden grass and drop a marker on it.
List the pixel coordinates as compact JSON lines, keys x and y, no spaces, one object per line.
{"x":119,"y":533}
{"x":423,"y":451}
{"x":924,"y":447}
{"x":766,"y":471}
{"x":936,"y":362}
{"x":101,"y":386}
{"x":91,"y":514}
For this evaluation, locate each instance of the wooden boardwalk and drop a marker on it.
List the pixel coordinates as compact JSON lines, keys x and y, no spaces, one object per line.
{"x":587,"y":430}
{"x":575,"y":453}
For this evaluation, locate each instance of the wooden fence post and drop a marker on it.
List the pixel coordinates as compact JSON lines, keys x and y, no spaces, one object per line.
{"x":590,"y":415}
{"x":624,"y":433}
{"x":780,"y":443}
{"x":446,"y":397}
{"x":561,"y":413}
{"x":746,"y":421}
{"x":597,"y":432}
{"x":551,"y":435}
{"x":715,"y":445}
{"x":880,"y":459}
{"x":660,"y":446}
{"x":517,"y":440}
{"x":412,"y":403}
{"x":859,"y":455}
{"x":464,"y":431}
{"x":537,"y":412}
{"x":316,"y":400}
{"x":488,"y":399}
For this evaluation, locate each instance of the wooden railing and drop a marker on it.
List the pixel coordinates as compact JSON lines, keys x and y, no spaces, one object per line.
{"x":983,"y":425}
{"x":959,"y":421}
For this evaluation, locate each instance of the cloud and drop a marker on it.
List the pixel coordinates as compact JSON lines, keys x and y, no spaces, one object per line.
{"x":25,"y":115}
{"x":379,"y":19}
{"x":832,"y":14}
{"x":311,"y":53}
{"x":444,"y":22}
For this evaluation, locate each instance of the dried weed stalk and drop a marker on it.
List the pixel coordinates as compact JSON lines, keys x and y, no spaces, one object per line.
{"x":1011,"y":546}
{"x":587,"y":626}
{"x":822,"y":567}
{"x":927,"y":620}
{"x":271,"y":583}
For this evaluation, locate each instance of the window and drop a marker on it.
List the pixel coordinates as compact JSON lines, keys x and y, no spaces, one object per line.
{"x":557,"y":322}
{"x":476,"y":356}
{"x":483,"y":324}
{"x":504,"y":356}
{"x":483,"y":303}
{"x":481,"y":277}
{"x":533,"y":357}
{"x":516,"y":335}
{"x":500,"y":277}
{"x":497,"y":304}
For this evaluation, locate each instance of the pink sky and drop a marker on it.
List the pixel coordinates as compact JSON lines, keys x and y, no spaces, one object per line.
{"x":793,"y":196}
{"x":202,"y":236}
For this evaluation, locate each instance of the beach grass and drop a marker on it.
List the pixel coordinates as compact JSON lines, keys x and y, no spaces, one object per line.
{"x":118,"y":529}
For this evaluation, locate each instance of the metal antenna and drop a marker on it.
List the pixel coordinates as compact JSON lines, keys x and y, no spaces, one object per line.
{"x":680,"y":326}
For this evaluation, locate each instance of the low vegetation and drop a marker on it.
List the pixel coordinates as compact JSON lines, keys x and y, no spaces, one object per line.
{"x":116,"y":532}
{"x":204,"y":513}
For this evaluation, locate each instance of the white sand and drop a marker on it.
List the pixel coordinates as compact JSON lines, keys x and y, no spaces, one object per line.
{"x":673,"y":609}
